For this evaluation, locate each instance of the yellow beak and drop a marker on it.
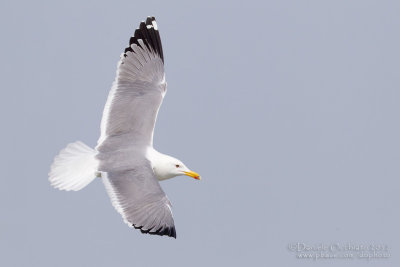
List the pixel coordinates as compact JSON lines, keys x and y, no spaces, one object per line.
{"x":193,"y":174}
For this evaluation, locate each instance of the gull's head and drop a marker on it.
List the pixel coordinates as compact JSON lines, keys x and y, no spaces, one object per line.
{"x":178,"y":168}
{"x":166,"y":167}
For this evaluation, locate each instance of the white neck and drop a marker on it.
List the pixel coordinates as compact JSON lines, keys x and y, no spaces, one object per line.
{"x":159,"y":163}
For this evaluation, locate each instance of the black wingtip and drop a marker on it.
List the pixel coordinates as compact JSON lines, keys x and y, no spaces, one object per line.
{"x":164,"y":231}
{"x":150,"y":36}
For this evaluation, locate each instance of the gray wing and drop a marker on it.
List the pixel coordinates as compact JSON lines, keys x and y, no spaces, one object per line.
{"x":138,"y":197}
{"x":137,"y":91}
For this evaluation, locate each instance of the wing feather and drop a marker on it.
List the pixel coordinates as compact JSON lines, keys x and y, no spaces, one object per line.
{"x":138,"y":197}
{"x":137,"y":92}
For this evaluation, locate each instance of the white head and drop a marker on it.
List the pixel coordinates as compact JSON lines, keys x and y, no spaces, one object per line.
{"x":166,"y":167}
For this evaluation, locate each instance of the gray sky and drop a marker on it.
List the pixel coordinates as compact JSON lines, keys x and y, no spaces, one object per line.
{"x":288,"y":109}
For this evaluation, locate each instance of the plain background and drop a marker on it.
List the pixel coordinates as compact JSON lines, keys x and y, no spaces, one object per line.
{"x":288,"y":109}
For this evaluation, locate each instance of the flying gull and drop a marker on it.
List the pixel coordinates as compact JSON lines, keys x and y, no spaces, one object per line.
{"x":124,"y":157}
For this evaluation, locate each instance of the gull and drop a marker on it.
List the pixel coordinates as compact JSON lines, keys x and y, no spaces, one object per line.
{"x":124,"y":157}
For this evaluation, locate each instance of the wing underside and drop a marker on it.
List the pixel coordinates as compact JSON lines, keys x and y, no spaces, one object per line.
{"x":138,"y":197}
{"x":137,"y":92}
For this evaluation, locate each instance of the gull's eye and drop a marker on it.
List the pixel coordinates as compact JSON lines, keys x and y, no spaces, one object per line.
{"x":177,"y":165}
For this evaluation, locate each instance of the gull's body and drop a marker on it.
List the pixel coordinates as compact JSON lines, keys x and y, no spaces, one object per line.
{"x":124,"y":157}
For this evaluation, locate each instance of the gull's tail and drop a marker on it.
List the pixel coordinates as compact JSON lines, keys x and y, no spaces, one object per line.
{"x":74,"y":167}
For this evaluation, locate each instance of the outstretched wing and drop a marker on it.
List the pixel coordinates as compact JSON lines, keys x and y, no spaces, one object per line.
{"x":137,"y":91}
{"x":138,"y":197}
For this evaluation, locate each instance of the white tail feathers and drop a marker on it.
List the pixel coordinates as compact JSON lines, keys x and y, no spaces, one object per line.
{"x":74,"y":168}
